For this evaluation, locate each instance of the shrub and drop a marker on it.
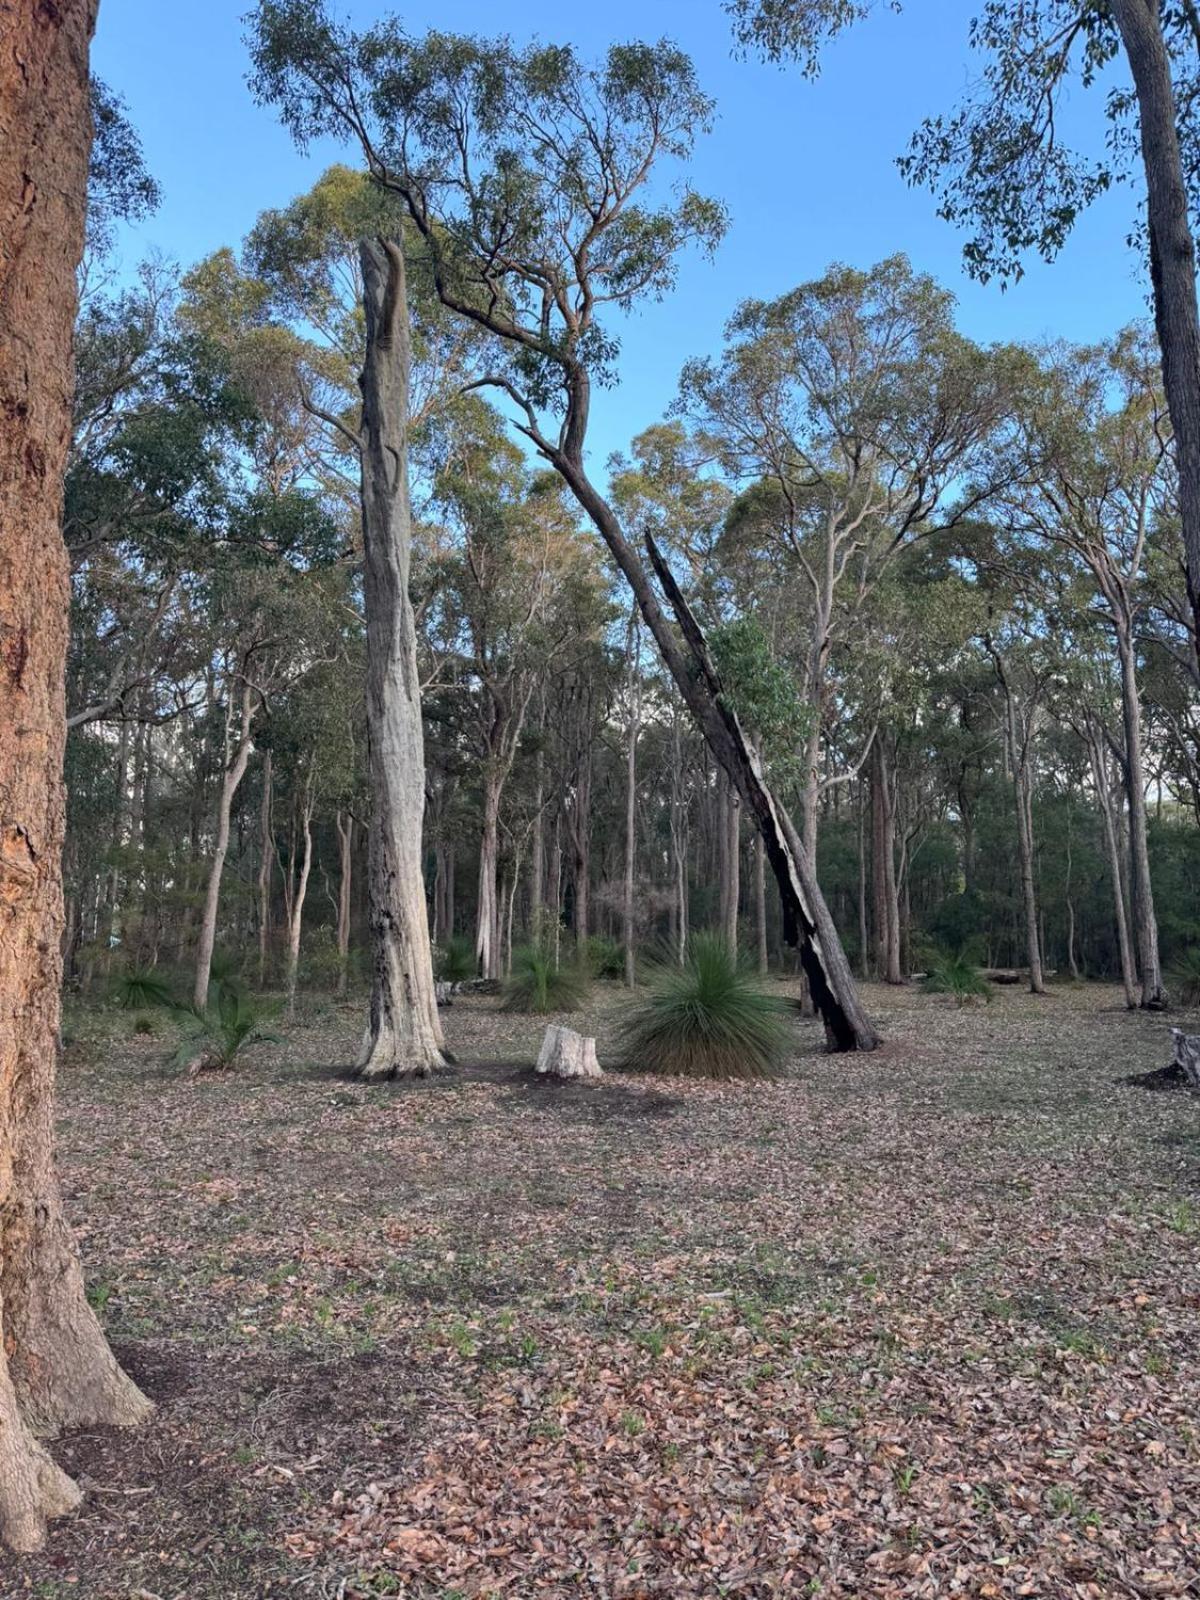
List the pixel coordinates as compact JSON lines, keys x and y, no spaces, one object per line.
{"x":958,"y":976}
{"x":707,"y":1019}
{"x":1183,"y":980}
{"x":214,"y":1037}
{"x":454,"y":959}
{"x":140,"y":987}
{"x":537,"y":986}
{"x":143,"y":1025}
{"x":604,"y":957}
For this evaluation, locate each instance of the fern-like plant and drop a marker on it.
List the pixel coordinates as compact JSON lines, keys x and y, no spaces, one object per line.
{"x":605,"y":957}
{"x":215,"y":1037}
{"x":538,"y":987}
{"x":957,"y":976}
{"x":710,"y":1018}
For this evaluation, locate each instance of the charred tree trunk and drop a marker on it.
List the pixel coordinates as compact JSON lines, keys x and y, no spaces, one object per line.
{"x":55,"y":1368}
{"x":403,"y":1031}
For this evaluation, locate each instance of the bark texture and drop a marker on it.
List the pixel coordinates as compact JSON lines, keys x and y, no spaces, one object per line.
{"x":55,"y":1368}
{"x":567,"y":1054}
{"x":403,"y":1033}
{"x":1172,"y":259}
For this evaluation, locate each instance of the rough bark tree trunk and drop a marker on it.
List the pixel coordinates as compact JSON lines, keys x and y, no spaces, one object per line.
{"x":1172,"y":259}
{"x":234,"y":773}
{"x":1113,"y":851}
{"x":55,"y":1368}
{"x":403,"y":1032}
{"x":632,"y":729}
{"x":730,"y":814}
{"x":487,"y":915}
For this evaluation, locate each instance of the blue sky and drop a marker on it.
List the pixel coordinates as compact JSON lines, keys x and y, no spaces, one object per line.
{"x":807,"y":169}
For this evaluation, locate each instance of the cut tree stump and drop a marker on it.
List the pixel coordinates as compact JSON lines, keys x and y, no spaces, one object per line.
{"x":567,"y":1054}
{"x":1187,"y":1056}
{"x":444,"y":993}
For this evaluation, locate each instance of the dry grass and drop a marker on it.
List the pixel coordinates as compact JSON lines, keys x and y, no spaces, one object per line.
{"x":920,"y":1323}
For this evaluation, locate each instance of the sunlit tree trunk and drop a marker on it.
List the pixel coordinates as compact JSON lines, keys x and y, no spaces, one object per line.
{"x":56,"y":1371}
{"x":240,"y":746}
{"x":403,"y":1032}
{"x":1145,"y":923}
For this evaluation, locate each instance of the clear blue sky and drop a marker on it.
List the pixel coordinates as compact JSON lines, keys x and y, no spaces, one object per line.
{"x":805,"y":168}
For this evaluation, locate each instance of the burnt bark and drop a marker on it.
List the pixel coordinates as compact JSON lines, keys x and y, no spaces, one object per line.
{"x":403,"y":1032}
{"x":56,"y":1369}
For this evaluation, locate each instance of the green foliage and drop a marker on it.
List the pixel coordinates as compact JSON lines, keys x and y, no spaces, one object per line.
{"x":763,"y":692}
{"x":539,"y":987}
{"x":709,"y":1019}
{"x":454,"y":959}
{"x":215,"y":1037}
{"x":140,"y":987}
{"x":1183,"y":980}
{"x":956,"y":975}
{"x":604,"y":957}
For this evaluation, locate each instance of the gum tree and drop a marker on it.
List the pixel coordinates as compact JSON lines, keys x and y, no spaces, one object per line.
{"x":56,"y":1370}
{"x":528,"y":175}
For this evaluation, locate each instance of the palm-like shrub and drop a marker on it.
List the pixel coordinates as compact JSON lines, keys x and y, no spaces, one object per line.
{"x":537,"y":986}
{"x":710,"y":1018}
{"x":140,"y":987}
{"x":958,"y":976}
{"x":213,"y":1038}
{"x":454,"y":960}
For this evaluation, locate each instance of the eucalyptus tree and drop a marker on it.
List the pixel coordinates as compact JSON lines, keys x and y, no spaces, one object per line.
{"x":526,"y":174}
{"x":1000,"y":165}
{"x":56,"y":1370}
{"x":853,"y":413}
{"x":1097,"y":483}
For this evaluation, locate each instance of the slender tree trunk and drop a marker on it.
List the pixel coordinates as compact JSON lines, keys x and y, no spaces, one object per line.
{"x":403,"y":1031}
{"x":344,"y":822}
{"x":633,"y":726}
{"x":266,"y":857}
{"x":55,"y":1368}
{"x":760,"y":903}
{"x":1023,"y":793}
{"x":1172,"y":259}
{"x":581,"y":846}
{"x":296,"y":920}
{"x":864,"y":956}
{"x":487,"y":916}
{"x":731,"y":859}
{"x":1113,"y":850}
{"x":1145,"y":923}
{"x":234,"y":773}
{"x":537,"y":871}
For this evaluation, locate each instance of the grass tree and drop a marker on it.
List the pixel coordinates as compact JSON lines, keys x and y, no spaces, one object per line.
{"x":526,"y":173}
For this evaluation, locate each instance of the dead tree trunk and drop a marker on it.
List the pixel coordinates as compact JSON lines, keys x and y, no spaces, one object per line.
{"x":55,"y":1368}
{"x":403,"y":1031}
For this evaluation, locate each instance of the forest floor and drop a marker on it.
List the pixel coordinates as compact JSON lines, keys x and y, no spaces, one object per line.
{"x":919,"y":1323}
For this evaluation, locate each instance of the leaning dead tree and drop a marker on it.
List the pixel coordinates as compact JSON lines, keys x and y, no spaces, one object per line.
{"x":525,"y":174}
{"x":56,"y":1370}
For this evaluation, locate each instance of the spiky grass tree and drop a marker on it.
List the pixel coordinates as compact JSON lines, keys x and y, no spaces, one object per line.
{"x":539,"y":987}
{"x":710,"y":1018}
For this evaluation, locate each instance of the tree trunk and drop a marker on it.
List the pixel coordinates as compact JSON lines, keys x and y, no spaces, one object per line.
{"x":537,"y":873}
{"x":679,"y":842}
{"x":633,"y":726}
{"x":1172,"y":260}
{"x":864,"y":958}
{"x":234,"y":773}
{"x":1145,"y":924}
{"x":403,"y":1032}
{"x":1112,"y":847}
{"x":487,"y":916}
{"x":731,"y":860}
{"x":266,"y":856}
{"x":296,"y":920}
{"x":1022,"y":789}
{"x":55,"y":1368}
{"x":345,"y":833}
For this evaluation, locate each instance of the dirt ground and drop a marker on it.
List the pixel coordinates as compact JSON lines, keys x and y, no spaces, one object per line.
{"x":919,"y":1323}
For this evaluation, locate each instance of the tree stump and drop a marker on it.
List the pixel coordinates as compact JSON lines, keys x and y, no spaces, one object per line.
{"x":1187,"y":1056}
{"x":567,"y":1054}
{"x":444,"y":993}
